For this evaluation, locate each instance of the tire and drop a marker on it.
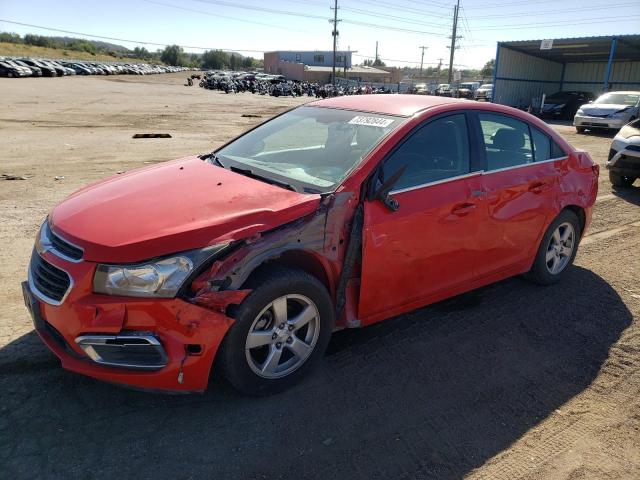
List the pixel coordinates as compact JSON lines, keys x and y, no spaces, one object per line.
{"x":622,"y":181}
{"x":249,"y":369}
{"x":580,"y":129}
{"x":554,"y":258}
{"x":10,"y":75}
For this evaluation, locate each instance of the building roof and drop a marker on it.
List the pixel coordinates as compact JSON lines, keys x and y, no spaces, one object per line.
{"x":314,"y":68}
{"x":392,"y":104}
{"x":581,"y":49}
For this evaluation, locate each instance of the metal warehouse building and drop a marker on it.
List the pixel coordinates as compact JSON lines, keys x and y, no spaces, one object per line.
{"x":524,"y":70}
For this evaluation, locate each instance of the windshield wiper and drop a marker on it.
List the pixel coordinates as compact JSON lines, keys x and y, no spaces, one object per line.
{"x":251,"y":174}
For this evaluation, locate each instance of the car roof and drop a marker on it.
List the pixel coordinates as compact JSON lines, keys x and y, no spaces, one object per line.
{"x":389,"y":104}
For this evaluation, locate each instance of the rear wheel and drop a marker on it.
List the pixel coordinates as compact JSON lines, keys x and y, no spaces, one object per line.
{"x":557,"y":249}
{"x":281,"y":331}
{"x":618,"y":180}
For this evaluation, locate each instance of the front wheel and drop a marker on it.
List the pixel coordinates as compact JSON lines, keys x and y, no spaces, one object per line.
{"x":580,"y":129}
{"x":281,"y":331}
{"x":557,"y":249}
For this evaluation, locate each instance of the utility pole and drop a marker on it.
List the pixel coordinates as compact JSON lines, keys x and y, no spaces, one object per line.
{"x":422,"y":59}
{"x":453,"y":39}
{"x":376,"y":60}
{"x":335,"y":39}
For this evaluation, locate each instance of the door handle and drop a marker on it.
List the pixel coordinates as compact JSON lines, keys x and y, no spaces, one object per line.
{"x":463,"y":209}
{"x":538,"y":187}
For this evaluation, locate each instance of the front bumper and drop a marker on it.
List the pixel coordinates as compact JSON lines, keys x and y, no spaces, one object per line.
{"x":189,"y":335}
{"x":599,"y":122}
{"x":626,"y":161}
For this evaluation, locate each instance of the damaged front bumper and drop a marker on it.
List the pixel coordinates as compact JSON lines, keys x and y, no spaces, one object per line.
{"x":156,"y":344}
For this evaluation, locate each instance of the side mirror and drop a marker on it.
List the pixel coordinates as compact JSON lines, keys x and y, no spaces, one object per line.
{"x":590,"y":101}
{"x":380,"y":192}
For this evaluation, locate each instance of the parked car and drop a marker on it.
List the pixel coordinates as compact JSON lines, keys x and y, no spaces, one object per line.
{"x":9,"y":70}
{"x":564,"y":105}
{"x":47,"y":70}
{"x":35,"y":71}
{"x":485,"y":92}
{"x":285,"y":237}
{"x":610,"y":111}
{"x":467,"y":89}
{"x":624,"y":157}
{"x":421,"y":89}
{"x":443,"y":90}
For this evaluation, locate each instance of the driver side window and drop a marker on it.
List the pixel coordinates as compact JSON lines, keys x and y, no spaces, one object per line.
{"x":437,"y":151}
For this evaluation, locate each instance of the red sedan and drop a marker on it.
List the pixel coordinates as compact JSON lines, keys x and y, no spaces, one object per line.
{"x":336,"y":214}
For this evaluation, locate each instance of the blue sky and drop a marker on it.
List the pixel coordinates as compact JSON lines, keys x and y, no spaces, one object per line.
{"x":400,"y":26}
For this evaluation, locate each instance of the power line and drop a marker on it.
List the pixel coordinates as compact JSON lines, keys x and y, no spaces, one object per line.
{"x":587,"y":21}
{"x":571,"y":10}
{"x":201,"y":12}
{"x":140,"y":42}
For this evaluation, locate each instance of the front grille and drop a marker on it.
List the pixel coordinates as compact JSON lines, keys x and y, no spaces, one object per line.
{"x":48,"y":281}
{"x":634,"y":148}
{"x":63,"y":247}
{"x":630,"y":163}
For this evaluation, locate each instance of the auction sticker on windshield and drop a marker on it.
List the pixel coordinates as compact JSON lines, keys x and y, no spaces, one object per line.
{"x":371,"y":121}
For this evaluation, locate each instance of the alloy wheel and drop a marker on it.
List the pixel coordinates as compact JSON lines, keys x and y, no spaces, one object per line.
{"x":560,"y":248}
{"x":282,"y":336}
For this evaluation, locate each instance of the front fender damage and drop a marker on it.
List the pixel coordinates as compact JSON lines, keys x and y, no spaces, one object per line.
{"x":325,"y":236}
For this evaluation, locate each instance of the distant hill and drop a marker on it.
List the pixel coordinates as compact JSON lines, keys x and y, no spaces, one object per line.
{"x":98,"y":43}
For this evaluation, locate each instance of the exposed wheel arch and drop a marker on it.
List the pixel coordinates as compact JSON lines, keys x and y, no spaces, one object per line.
{"x":580,"y":213}
{"x":296,"y":259}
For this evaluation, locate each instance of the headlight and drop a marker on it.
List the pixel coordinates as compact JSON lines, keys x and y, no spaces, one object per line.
{"x":558,"y":107}
{"x":157,"y":278}
{"x":580,"y":112}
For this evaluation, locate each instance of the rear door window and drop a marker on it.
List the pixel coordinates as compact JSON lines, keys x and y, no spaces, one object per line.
{"x":544,"y":147}
{"x":507,"y":141}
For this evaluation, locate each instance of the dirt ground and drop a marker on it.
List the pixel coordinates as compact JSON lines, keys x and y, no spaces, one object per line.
{"x":511,"y":381}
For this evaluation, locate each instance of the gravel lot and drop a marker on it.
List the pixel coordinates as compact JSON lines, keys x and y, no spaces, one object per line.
{"x":512,"y":381}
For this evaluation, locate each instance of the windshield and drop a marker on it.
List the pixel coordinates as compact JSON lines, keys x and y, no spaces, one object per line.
{"x":619,"y":98}
{"x":487,"y":85}
{"x":311,"y":149}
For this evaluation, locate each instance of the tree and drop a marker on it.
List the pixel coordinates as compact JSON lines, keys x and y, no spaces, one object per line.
{"x":374,"y":63}
{"x":172,"y":55}
{"x":487,"y":70}
{"x":235,"y":61}
{"x":10,"y":37}
{"x":215,"y":59}
{"x":141,"y":52}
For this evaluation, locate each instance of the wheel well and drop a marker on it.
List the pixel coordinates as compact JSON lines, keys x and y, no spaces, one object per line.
{"x":300,"y":260}
{"x":579,"y":211}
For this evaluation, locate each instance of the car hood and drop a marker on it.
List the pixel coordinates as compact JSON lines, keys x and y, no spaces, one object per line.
{"x":628,"y":131}
{"x":171,"y":207}
{"x":602,"y":108}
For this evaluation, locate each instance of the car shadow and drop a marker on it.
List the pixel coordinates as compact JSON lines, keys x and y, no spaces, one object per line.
{"x":629,"y":194}
{"x":432,"y":394}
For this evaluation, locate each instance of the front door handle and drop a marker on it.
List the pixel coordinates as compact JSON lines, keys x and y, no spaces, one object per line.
{"x":538,"y":187}
{"x":463,"y":209}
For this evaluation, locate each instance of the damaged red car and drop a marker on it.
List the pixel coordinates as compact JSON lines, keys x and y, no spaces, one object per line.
{"x":336,"y":214}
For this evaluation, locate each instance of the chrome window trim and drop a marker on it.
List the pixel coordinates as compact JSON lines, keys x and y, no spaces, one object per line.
{"x":38,"y":293}
{"x":471,"y":174}
{"x":489,"y":172}
{"x":437,"y":182}
{"x":44,"y":244}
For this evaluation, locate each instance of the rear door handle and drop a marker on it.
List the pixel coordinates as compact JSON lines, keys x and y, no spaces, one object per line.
{"x":538,"y":187}
{"x":463,"y":209}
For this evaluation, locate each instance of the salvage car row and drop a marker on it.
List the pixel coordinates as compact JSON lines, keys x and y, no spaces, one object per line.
{"x":38,"y":67}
